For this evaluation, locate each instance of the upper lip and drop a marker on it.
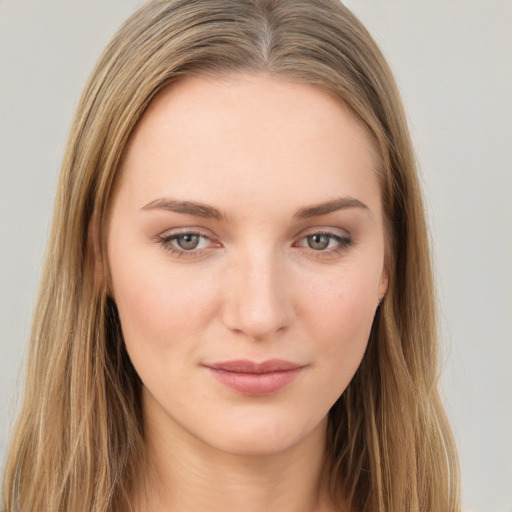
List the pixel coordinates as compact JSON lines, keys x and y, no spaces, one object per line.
{"x":247,"y":366}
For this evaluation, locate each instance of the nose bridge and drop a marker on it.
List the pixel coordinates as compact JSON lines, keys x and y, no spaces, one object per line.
{"x":258,"y":302}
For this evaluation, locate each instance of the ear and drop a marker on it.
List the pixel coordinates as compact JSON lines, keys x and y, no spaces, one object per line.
{"x":94,"y":243}
{"x":383,"y":284}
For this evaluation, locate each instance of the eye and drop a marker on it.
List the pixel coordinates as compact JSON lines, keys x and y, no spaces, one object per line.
{"x":325,"y":242}
{"x":188,"y":243}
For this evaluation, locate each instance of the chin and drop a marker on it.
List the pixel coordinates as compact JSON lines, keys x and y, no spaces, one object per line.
{"x":265,"y":438}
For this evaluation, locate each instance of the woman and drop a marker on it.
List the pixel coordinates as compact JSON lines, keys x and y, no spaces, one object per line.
{"x":237,"y":307}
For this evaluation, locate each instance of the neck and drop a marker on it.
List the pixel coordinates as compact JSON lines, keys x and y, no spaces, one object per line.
{"x":183,"y":474}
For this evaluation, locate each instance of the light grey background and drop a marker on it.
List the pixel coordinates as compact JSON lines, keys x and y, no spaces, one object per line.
{"x":453,"y":63}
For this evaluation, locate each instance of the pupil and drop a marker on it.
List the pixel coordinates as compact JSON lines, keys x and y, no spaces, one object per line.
{"x":318,"y":242}
{"x":188,"y":242}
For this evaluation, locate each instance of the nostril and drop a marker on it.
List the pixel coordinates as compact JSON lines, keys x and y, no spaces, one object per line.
{"x":255,"y":325}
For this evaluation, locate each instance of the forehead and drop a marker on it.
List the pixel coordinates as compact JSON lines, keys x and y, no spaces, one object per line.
{"x":249,"y":136}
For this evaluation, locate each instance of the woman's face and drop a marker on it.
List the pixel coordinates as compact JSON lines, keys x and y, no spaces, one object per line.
{"x":246,"y":250}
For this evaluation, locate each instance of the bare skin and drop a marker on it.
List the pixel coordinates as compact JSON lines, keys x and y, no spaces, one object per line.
{"x":246,"y":226}
{"x":220,"y":481}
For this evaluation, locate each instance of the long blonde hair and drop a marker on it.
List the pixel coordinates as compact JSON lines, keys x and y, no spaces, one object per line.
{"x":79,"y":433}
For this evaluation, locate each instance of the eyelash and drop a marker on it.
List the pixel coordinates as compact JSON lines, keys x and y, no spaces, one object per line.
{"x":166,"y":243}
{"x":344,"y":242}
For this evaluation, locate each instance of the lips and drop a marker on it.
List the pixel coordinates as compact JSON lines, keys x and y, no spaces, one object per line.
{"x":255,"y":378}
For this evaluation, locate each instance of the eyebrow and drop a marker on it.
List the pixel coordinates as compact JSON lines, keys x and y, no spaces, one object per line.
{"x":186,"y":207}
{"x":210,"y":212}
{"x":341,"y":203}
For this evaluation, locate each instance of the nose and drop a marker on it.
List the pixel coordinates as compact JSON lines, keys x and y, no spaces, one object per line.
{"x":258,"y":302}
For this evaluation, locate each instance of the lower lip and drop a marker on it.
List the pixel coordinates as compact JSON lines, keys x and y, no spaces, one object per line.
{"x":256,"y":384}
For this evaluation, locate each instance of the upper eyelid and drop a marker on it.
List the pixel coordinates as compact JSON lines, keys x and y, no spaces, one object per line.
{"x":169,"y":233}
{"x":325,"y":232}
{"x":333,"y":231}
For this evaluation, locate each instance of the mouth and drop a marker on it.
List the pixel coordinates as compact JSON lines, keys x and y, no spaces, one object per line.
{"x":255,"y":378}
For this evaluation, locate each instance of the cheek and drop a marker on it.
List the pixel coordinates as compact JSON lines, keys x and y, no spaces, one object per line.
{"x":341,"y":312}
{"x":156,"y":306}
{"x":344,"y":303}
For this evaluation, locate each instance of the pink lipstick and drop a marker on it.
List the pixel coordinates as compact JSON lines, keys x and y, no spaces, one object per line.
{"x":255,"y":379}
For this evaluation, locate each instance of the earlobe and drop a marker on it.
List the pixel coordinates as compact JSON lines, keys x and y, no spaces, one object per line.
{"x":94,"y":246}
